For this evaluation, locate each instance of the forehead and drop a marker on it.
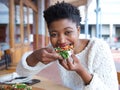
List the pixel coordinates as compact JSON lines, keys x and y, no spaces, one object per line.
{"x":62,"y":23}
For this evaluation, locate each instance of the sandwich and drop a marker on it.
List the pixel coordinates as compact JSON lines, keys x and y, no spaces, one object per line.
{"x":65,"y":52}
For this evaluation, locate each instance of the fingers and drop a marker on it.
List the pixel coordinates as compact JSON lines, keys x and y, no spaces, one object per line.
{"x":50,"y":50}
{"x":75,"y":59}
{"x":64,"y":64}
{"x":54,"y":56}
{"x":45,"y":62}
{"x":46,"y":55}
{"x":73,"y":62}
{"x":70,"y":64}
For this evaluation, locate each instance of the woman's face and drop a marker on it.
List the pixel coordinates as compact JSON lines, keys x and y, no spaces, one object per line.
{"x":64,"y":32}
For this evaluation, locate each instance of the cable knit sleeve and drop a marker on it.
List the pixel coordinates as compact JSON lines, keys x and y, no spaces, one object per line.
{"x":101,"y":65}
{"x":23,"y":69}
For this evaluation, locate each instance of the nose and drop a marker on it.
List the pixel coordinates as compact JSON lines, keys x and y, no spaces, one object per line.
{"x":61,"y":39}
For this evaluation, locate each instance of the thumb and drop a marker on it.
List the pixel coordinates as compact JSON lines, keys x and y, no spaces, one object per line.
{"x":59,"y":56}
{"x":75,"y":59}
{"x":50,"y":50}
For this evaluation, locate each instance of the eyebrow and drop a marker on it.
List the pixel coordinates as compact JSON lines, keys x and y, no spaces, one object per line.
{"x":68,"y":28}
{"x":52,"y":30}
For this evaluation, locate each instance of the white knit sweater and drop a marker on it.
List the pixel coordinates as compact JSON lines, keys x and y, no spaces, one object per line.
{"x":96,"y":58}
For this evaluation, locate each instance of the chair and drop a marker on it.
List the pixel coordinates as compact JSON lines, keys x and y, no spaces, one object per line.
{"x":118,"y":75}
{"x":7,"y":58}
{"x":1,"y":54}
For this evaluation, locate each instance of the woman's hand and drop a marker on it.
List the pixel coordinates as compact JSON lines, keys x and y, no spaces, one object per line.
{"x":71,"y":63}
{"x":44,"y":55}
{"x":75,"y":65}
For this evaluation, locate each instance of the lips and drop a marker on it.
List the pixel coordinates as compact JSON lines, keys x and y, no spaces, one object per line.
{"x":64,"y":45}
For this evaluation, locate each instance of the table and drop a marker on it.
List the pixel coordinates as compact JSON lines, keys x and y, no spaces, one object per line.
{"x":46,"y":84}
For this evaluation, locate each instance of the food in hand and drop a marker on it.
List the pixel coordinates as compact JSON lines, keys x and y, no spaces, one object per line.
{"x":15,"y":87}
{"x":65,"y":52}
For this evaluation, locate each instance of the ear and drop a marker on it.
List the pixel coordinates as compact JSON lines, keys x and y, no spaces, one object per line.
{"x":78,"y":29}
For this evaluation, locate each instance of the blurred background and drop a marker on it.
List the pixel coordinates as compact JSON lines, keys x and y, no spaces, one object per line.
{"x":103,"y":21}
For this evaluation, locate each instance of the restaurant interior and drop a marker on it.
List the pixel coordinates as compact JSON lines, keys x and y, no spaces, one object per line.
{"x":20,"y":34}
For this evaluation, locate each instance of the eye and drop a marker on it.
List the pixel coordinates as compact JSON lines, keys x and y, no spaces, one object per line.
{"x":68,"y":32}
{"x":53,"y":35}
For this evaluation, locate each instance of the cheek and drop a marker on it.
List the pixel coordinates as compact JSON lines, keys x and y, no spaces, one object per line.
{"x":53,"y":42}
{"x":74,"y":38}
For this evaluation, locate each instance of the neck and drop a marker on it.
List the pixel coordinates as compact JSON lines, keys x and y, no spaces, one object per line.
{"x":81,"y":46}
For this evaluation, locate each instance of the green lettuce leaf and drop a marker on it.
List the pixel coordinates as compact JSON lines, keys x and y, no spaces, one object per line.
{"x":64,"y":54}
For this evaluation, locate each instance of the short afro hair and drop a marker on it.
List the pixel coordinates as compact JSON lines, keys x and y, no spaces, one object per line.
{"x":62,"y":11}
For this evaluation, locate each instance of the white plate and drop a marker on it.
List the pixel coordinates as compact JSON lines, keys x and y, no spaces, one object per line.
{"x":10,"y":78}
{"x":18,"y":81}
